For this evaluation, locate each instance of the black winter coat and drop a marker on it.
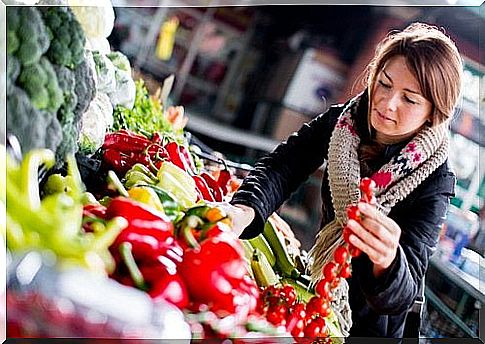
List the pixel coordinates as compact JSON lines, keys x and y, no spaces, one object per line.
{"x":379,"y":305}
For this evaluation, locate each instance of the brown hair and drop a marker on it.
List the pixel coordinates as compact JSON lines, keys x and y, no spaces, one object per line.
{"x":433,"y":59}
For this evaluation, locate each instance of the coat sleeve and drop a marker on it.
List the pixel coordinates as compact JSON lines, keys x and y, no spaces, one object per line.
{"x":278,"y":174}
{"x":420,"y":219}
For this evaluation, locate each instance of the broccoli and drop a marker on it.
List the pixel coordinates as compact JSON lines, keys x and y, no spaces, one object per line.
{"x":85,"y":86}
{"x":53,"y":134}
{"x":13,"y":71}
{"x":13,"y":42}
{"x":67,"y":45}
{"x":27,"y":123}
{"x":25,"y":25}
{"x":40,"y":83}
{"x":68,"y":144}
{"x":67,"y":84}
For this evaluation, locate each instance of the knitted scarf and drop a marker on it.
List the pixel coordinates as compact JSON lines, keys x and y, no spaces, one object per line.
{"x":395,"y":180}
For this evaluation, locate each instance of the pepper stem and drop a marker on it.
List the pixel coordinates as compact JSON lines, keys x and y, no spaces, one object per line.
{"x":191,"y":222}
{"x":129,"y":260}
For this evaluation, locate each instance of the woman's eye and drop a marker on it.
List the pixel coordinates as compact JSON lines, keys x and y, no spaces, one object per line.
{"x":409,"y":100}
{"x":383,"y":84}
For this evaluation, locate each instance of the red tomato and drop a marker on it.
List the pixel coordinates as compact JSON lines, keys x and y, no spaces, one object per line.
{"x":367,"y":186}
{"x":330,"y":271}
{"x":312,"y":330}
{"x":346,"y":271}
{"x":289,"y":294}
{"x":323,"y":289}
{"x":354,"y":251}
{"x":353,"y":212}
{"x":346,"y":234}
{"x":341,"y":254}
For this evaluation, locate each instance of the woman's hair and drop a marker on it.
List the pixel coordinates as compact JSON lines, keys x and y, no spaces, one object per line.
{"x":432,"y":58}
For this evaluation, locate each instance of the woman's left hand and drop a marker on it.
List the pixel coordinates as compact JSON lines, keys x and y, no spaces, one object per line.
{"x":376,"y":235}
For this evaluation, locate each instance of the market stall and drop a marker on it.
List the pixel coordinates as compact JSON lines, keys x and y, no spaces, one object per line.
{"x":115,"y":218}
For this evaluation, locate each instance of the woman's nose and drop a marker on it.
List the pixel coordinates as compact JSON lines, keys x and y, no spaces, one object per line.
{"x":393,"y":102}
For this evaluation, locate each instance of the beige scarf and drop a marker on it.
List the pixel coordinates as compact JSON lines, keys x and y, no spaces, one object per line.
{"x":395,"y":181}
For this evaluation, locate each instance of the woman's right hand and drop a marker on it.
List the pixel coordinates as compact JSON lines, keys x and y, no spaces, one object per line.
{"x":240,"y":214}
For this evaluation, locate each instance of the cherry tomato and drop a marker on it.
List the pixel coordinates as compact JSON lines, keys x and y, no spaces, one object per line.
{"x":323,"y":326}
{"x":367,"y":186}
{"x":354,"y":251}
{"x":346,"y":234}
{"x":323,"y":289}
{"x":318,"y":306}
{"x":346,"y":271}
{"x":330,"y":271}
{"x":353,"y":212}
{"x":299,"y":310}
{"x":277,"y":315}
{"x":341,"y":254}
{"x":289,"y":294}
{"x":298,"y":333}
{"x":335,"y":282}
{"x":312,"y":330}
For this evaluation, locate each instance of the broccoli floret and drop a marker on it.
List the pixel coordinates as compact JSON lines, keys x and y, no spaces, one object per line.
{"x":85,"y":85}
{"x":13,"y":42}
{"x":53,"y":134}
{"x":28,"y":27}
{"x":69,"y":139}
{"x":67,"y":84}
{"x":26,"y":122}
{"x":13,"y":18}
{"x":40,"y":83}
{"x":13,"y":71}
{"x":67,"y":46}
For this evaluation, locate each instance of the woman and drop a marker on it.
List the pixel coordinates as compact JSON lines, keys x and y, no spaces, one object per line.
{"x":395,"y":131}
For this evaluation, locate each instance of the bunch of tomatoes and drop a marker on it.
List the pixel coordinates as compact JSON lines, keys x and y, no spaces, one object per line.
{"x":279,"y":303}
{"x":280,"y":306}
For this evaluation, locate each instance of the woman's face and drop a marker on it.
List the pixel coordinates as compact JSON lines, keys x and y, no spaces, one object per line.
{"x":398,"y":109}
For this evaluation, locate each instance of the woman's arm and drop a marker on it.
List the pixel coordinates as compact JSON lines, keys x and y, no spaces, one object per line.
{"x":420,"y":219}
{"x":279,"y":173}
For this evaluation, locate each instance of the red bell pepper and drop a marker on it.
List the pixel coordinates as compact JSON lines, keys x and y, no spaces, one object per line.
{"x":125,"y":141}
{"x":204,"y":189}
{"x":157,"y":276}
{"x":213,"y":185}
{"x":146,"y":251}
{"x":92,"y":213}
{"x":218,"y":266}
{"x":174,"y":154}
{"x":188,"y":160}
{"x":224,"y":178}
{"x":136,"y":213}
{"x":179,"y":155}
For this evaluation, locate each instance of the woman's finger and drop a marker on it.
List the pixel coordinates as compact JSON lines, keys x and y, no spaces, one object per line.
{"x":370,"y":212}
{"x":378,"y":230}
{"x":367,"y":237}
{"x":374,"y":255}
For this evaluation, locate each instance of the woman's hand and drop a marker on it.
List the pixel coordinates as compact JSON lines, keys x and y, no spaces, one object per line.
{"x":240,"y":215}
{"x":377,"y":235}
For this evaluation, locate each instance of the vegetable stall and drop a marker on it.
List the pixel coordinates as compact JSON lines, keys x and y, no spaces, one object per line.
{"x":113,"y":220}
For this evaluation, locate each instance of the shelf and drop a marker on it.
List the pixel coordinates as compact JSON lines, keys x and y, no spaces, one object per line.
{"x":448,"y":313}
{"x":201,"y":124}
{"x":468,"y":283}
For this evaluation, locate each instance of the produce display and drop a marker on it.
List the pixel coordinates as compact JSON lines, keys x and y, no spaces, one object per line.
{"x":105,"y":192}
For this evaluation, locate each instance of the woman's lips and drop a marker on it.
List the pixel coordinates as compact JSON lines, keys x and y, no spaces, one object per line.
{"x":384,"y":118}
